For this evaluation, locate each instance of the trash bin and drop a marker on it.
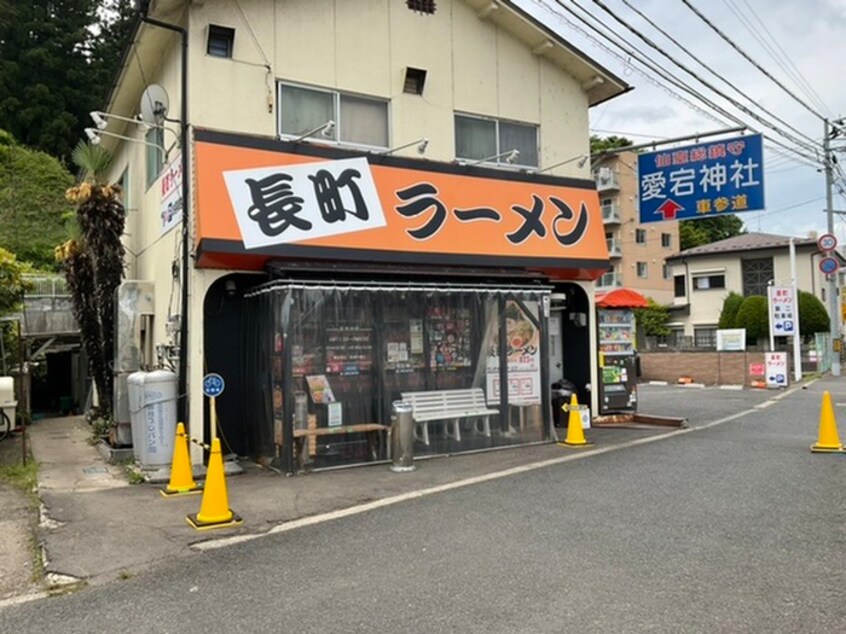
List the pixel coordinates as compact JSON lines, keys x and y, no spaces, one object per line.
{"x":402,"y":437}
{"x":561,"y":393}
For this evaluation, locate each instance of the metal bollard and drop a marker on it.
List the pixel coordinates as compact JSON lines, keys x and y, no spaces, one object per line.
{"x":402,"y":438}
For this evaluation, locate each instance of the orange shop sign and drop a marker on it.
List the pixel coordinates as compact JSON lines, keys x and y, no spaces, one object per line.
{"x":262,"y":199}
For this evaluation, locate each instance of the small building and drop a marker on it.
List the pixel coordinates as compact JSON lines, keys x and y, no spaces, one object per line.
{"x":383,"y":200}
{"x":637,"y":251}
{"x":746,"y":264}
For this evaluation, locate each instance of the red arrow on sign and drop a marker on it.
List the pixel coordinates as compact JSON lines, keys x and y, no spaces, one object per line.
{"x":668,"y":209}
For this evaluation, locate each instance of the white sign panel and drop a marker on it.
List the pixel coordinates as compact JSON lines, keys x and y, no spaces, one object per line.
{"x":783,"y":312}
{"x":731,"y":340}
{"x":776,"y":369}
{"x":171,"y":195}
{"x":523,"y":350}
{"x":292,"y":203}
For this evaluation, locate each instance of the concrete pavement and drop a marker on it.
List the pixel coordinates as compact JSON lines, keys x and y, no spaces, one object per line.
{"x":96,"y":527}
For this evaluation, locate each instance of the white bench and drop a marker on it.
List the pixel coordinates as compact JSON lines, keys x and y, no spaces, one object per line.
{"x":450,"y":406}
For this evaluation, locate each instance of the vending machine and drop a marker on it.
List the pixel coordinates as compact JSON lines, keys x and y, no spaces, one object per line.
{"x":617,"y":364}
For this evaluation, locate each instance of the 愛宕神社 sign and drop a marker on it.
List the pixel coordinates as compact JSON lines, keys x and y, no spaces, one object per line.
{"x":706,"y":179}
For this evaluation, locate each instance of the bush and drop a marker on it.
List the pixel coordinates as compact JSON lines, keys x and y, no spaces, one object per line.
{"x":754,"y":316}
{"x":813,"y":316}
{"x":730,"y":307}
{"x":653,"y":319}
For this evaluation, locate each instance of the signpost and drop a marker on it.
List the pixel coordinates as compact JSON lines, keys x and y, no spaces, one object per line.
{"x":213,"y":386}
{"x":783,"y":312}
{"x":776,"y":369}
{"x":702,"y":180}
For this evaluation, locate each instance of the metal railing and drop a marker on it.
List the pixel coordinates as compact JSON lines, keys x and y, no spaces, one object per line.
{"x":46,"y":285}
{"x":610,"y":213}
{"x":610,"y":280}
{"x":614,"y":249}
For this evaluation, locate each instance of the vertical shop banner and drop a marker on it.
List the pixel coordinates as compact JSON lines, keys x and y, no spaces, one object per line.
{"x":783,"y":311}
{"x":523,"y":350}
{"x":776,"y":369}
{"x":171,"y":195}
{"x":701,"y":180}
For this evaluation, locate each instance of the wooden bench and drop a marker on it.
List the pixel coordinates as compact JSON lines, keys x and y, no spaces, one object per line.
{"x":376,"y":434}
{"x":451,"y":407}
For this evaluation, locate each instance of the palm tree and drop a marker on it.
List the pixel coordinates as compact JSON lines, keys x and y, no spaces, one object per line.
{"x":93,"y":264}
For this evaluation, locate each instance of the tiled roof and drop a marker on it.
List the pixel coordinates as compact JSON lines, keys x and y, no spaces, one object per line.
{"x":745,"y":242}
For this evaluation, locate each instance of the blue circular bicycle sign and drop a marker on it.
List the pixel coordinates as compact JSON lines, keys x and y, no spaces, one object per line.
{"x":213,"y":385}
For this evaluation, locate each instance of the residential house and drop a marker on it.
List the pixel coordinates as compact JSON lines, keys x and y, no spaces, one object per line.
{"x":746,"y":264}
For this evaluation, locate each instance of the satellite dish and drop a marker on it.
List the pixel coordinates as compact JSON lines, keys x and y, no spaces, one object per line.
{"x":154,"y":104}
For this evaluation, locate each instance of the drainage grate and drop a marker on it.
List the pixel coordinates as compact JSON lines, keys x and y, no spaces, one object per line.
{"x":95,"y":470}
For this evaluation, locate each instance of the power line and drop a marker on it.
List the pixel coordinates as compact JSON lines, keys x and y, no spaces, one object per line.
{"x":660,"y":72}
{"x":731,"y":43}
{"x":711,"y":70}
{"x":778,"y":54}
{"x":710,"y":86}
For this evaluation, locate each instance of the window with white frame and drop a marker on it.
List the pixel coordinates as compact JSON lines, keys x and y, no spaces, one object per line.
{"x":154,"y":146}
{"x":642,"y":269}
{"x":358,"y":120}
{"x":478,"y":138}
{"x":705,"y":336}
{"x":709,"y":281}
{"x":666,"y":271}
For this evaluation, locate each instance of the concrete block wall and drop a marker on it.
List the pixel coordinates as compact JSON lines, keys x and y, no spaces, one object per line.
{"x":710,"y":368}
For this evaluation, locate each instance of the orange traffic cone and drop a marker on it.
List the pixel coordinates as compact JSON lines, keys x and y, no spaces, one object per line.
{"x":181,"y":477}
{"x":214,"y":509}
{"x":575,"y":432}
{"x":828,"y":441}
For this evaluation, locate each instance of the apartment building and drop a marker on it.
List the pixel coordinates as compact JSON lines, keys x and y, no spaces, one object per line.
{"x":638,"y":251}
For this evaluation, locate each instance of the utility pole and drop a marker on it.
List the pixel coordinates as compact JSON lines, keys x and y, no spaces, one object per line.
{"x":829,"y":132}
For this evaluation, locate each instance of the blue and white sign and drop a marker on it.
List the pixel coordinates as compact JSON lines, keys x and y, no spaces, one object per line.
{"x":213,"y":385}
{"x":829,"y":265}
{"x":784,"y":315}
{"x":702,"y":180}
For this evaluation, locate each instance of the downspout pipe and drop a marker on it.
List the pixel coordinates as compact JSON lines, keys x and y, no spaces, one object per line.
{"x":182,"y":385}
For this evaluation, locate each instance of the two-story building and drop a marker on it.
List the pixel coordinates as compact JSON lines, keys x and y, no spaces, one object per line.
{"x":381,"y":200}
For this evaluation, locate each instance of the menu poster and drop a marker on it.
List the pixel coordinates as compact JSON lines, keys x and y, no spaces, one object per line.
{"x":349,"y":350}
{"x":319,"y":388}
{"x":335,"y":416}
{"x":449,"y":339}
{"x":523,"y":350}
{"x":416,"y":329}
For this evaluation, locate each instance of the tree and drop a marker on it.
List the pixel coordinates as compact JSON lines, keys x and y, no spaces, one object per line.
{"x":813,"y":316}
{"x":93,"y":265}
{"x":731,"y":305}
{"x":600,"y":144}
{"x":32,"y":206}
{"x":12,"y":282}
{"x":653,"y":319}
{"x":694,"y":233}
{"x":57,"y":61}
{"x":754,"y":316}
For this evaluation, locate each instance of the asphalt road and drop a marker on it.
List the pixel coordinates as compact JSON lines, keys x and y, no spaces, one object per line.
{"x":733,"y":527}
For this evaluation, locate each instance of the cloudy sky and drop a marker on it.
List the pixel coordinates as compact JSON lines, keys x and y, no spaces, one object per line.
{"x":811,"y":34}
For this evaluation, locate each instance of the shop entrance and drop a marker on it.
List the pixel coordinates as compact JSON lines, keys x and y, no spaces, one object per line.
{"x":569,"y":345}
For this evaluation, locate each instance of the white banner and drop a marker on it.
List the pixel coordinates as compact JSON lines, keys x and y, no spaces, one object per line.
{"x":291,"y":203}
{"x":171,"y":195}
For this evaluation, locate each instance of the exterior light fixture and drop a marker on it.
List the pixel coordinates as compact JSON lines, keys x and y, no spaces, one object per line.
{"x":324,"y":129}
{"x":581,"y":158}
{"x":510,"y":157}
{"x":95,"y":137}
{"x":421,"y":144}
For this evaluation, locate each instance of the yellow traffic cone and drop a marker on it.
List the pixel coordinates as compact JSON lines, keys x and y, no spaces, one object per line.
{"x":181,"y":477}
{"x":575,"y":433}
{"x":214,"y":509}
{"x":829,"y":441}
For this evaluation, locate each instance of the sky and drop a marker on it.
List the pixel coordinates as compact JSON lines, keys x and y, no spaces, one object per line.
{"x":811,"y":34}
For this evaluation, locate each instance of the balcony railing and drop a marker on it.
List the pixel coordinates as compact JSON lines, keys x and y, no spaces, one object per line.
{"x":614,"y":250}
{"x":610,"y":280}
{"x":607,"y":181}
{"x":610,"y":213}
{"x":47,"y":286}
